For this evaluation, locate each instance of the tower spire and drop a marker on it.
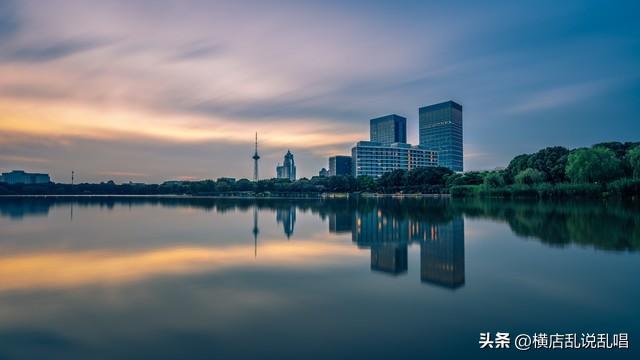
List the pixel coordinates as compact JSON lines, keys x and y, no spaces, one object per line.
{"x":256,"y":157}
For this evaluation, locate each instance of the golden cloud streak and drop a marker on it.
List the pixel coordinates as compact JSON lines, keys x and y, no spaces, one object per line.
{"x":56,"y":119}
{"x":74,"y":269}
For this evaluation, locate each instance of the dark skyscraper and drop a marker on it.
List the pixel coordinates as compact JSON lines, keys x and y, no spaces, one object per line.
{"x":388,"y":129}
{"x":440,"y":129}
{"x":339,"y":165}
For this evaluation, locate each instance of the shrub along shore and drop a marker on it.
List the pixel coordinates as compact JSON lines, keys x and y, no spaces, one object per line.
{"x":606,"y":169}
{"x":621,"y":188}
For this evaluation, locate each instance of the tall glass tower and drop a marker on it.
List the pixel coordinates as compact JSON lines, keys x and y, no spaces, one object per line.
{"x":388,"y":129}
{"x":440,"y":129}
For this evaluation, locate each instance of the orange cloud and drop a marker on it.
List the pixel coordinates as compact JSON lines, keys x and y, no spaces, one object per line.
{"x":59,"y":119}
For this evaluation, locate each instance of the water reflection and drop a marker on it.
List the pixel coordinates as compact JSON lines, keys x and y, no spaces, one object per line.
{"x":16,"y":209}
{"x":388,"y":227}
{"x":613,"y":225}
{"x":287,"y":216}
{"x":442,"y":255}
{"x":389,"y":234}
{"x":160,"y":275}
{"x":341,"y":222}
{"x":383,"y":227}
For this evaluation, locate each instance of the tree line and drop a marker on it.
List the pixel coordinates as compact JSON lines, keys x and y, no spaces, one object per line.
{"x":611,"y":167}
{"x":605,"y":168}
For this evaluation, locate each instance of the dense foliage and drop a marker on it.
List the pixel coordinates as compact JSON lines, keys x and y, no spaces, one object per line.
{"x":608,"y":168}
{"x":596,"y":165}
{"x":551,"y":162}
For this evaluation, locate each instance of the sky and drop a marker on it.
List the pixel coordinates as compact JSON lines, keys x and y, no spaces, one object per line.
{"x":155,"y":90}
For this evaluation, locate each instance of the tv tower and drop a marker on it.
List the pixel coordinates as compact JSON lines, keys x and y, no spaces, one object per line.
{"x":256,"y":157}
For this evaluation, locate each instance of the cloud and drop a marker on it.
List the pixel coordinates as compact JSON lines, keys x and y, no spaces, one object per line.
{"x":558,"y":96}
{"x":130,"y":174}
{"x":304,"y":75}
{"x":49,"y":52}
{"x":197,"y":52}
{"x":21,"y":159}
{"x":9,"y":21}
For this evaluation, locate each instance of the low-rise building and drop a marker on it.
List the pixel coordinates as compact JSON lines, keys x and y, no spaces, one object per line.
{"x":374,"y":159}
{"x":22,"y":177}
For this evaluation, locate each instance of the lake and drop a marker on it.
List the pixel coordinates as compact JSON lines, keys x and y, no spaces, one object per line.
{"x":198,"y":278}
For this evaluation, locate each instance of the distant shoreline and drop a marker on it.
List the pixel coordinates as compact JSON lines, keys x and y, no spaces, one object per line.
{"x":302,"y":196}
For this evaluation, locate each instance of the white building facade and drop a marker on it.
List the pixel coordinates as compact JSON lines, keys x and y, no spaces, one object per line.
{"x":374,"y":159}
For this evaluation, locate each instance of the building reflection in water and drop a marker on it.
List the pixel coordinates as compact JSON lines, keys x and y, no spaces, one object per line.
{"x":17,"y":209}
{"x":389,"y":258}
{"x":286,"y":216}
{"x":340,"y":222}
{"x":387,"y":233}
{"x":442,"y":254}
{"x":388,"y":236}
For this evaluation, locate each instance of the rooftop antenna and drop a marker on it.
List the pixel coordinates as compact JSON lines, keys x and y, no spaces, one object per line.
{"x":72,"y":175}
{"x":256,"y":157}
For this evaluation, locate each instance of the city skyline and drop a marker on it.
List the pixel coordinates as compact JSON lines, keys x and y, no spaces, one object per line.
{"x":159,"y":90}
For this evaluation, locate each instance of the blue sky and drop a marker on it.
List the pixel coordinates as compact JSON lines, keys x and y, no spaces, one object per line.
{"x":156,"y":90}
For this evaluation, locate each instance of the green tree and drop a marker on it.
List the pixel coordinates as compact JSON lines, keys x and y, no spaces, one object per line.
{"x":516,"y":165}
{"x":633,"y":157}
{"x":243,"y":185}
{"x":493,"y":179}
{"x":393,"y":179}
{"x":428,"y":176}
{"x":529,"y":176}
{"x":595,"y":165}
{"x":620,"y":149}
{"x":365,"y":183}
{"x":339,"y":184}
{"x":551,"y":161}
{"x":467,"y":178}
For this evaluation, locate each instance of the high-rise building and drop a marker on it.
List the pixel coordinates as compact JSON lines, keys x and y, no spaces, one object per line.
{"x":388,"y":129}
{"x":288,"y":168}
{"x":440,"y":128}
{"x":22,"y":177}
{"x":374,"y":158}
{"x":339,"y":165}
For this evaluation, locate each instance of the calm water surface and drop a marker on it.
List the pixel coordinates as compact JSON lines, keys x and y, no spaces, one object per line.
{"x":132,"y":278}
